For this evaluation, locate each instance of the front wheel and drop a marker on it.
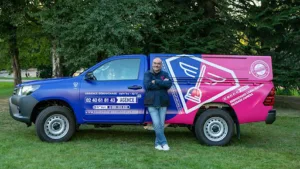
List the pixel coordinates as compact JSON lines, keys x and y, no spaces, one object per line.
{"x":214,"y":127}
{"x":55,"y":124}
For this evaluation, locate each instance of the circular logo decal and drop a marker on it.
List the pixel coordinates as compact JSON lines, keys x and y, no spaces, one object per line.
{"x":260,"y":69}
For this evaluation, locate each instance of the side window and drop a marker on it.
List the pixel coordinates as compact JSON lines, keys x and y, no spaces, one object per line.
{"x":122,"y":69}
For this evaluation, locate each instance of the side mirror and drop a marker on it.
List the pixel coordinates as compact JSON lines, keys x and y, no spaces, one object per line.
{"x":89,"y":76}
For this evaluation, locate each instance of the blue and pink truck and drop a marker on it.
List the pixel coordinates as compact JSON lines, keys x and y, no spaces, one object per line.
{"x":212,"y":95}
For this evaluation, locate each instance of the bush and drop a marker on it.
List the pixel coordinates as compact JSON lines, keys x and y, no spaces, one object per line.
{"x":287,"y":92}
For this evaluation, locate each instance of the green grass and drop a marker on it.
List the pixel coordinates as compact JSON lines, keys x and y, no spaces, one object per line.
{"x":6,"y":89}
{"x":261,"y":146}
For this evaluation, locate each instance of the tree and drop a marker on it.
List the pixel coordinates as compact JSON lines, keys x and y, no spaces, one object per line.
{"x":44,"y":14}
{"x":191,"y":26}
{"x":4,"y":57}
{"x":17,"y":27}
{"x":34,"y":47}
{"x":11,"y":18}
{"x":272,"y":28}
{"x":89,"y":31}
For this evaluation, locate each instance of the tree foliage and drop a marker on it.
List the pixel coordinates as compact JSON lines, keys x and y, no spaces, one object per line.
{"x":89,"y":31}
{"x":20,"y":37}
{"x":192,"y":26}
{"x":272,"y":28}
{"x":84,"y":32}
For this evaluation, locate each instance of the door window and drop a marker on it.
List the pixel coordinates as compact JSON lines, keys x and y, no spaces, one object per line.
{"x":122,"y":69}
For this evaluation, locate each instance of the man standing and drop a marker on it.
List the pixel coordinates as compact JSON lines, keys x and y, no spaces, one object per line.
{"x":157,"y":83}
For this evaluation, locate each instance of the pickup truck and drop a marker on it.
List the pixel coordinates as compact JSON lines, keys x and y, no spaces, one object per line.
{"x":212,"y":95}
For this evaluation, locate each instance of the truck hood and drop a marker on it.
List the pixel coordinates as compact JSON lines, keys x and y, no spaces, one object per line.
{"x":47,"y":81}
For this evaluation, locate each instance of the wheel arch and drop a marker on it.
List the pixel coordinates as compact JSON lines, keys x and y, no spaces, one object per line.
{"x":217,"y":105}
{"x":46,"y":103}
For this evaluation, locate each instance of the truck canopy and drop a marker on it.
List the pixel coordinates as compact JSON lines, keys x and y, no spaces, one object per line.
{"x":216,"y":68}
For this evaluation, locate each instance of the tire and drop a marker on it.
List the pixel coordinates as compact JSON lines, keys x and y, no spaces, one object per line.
{"x":214,"y":127}
{"x":55,"y":124}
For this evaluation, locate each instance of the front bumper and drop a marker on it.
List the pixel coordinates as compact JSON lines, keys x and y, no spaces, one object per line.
{"x":20,"y":108}
{"x":271,"y":116}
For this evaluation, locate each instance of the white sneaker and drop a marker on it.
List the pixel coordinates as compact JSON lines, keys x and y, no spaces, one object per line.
{"x":148,"y":127}
{"x":165,"y":147}
{"x":158,"y":147}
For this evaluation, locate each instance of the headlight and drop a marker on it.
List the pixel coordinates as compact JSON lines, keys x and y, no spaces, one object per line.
{"x":27,"y":90}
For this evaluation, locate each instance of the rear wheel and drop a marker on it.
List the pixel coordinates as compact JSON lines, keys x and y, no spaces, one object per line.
{"x":55,"y":124}
{"x":214,"y":127}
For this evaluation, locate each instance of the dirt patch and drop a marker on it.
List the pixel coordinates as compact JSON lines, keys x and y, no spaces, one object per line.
{"x":290,"y":102}
{"x":3,"y":105}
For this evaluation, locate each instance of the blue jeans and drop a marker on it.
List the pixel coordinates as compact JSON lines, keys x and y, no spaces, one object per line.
{"x":158,"y":115}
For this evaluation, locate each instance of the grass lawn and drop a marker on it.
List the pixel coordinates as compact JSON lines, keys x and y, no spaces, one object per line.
{"x":261,"y":146}
{"x":6,"y":89}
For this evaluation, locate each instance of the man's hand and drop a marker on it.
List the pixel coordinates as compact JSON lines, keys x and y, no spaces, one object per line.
{"x":166,"y":79}
{"x":153,"y":81}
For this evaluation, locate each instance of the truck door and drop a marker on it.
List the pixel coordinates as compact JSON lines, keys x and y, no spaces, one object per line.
{"x":116,"y":94}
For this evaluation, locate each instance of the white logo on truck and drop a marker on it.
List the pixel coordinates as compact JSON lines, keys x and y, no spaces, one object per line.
{"x":194,"y":94}
{"x":188,"y":68}
{"x":260,"y":69}
{"x":75,"y":84}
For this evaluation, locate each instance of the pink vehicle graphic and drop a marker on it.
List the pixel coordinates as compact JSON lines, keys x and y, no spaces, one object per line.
{"x":207,"y":88}
{"x":194,"y":94}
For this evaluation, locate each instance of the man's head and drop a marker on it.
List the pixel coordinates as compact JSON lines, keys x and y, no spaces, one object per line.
{"x":156,"y":65}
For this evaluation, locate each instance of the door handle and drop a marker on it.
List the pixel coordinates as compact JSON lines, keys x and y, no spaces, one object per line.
{"x":134,"y":87}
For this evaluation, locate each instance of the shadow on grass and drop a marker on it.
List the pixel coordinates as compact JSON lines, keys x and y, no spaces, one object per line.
{"x":179,"y":135}
{"x":130,"y":133}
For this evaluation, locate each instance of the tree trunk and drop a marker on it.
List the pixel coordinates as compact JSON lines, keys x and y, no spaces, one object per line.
{"x":56,"y":65}
{"x":14,"y":53}
{"x":209,"y":8}
{"x":100,"y":56}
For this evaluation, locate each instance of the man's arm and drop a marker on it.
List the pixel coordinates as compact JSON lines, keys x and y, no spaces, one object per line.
{"x":166,"y":83}
{"x":150,"y":84}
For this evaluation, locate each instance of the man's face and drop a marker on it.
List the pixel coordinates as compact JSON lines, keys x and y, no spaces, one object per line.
{"x":156,"y":65}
